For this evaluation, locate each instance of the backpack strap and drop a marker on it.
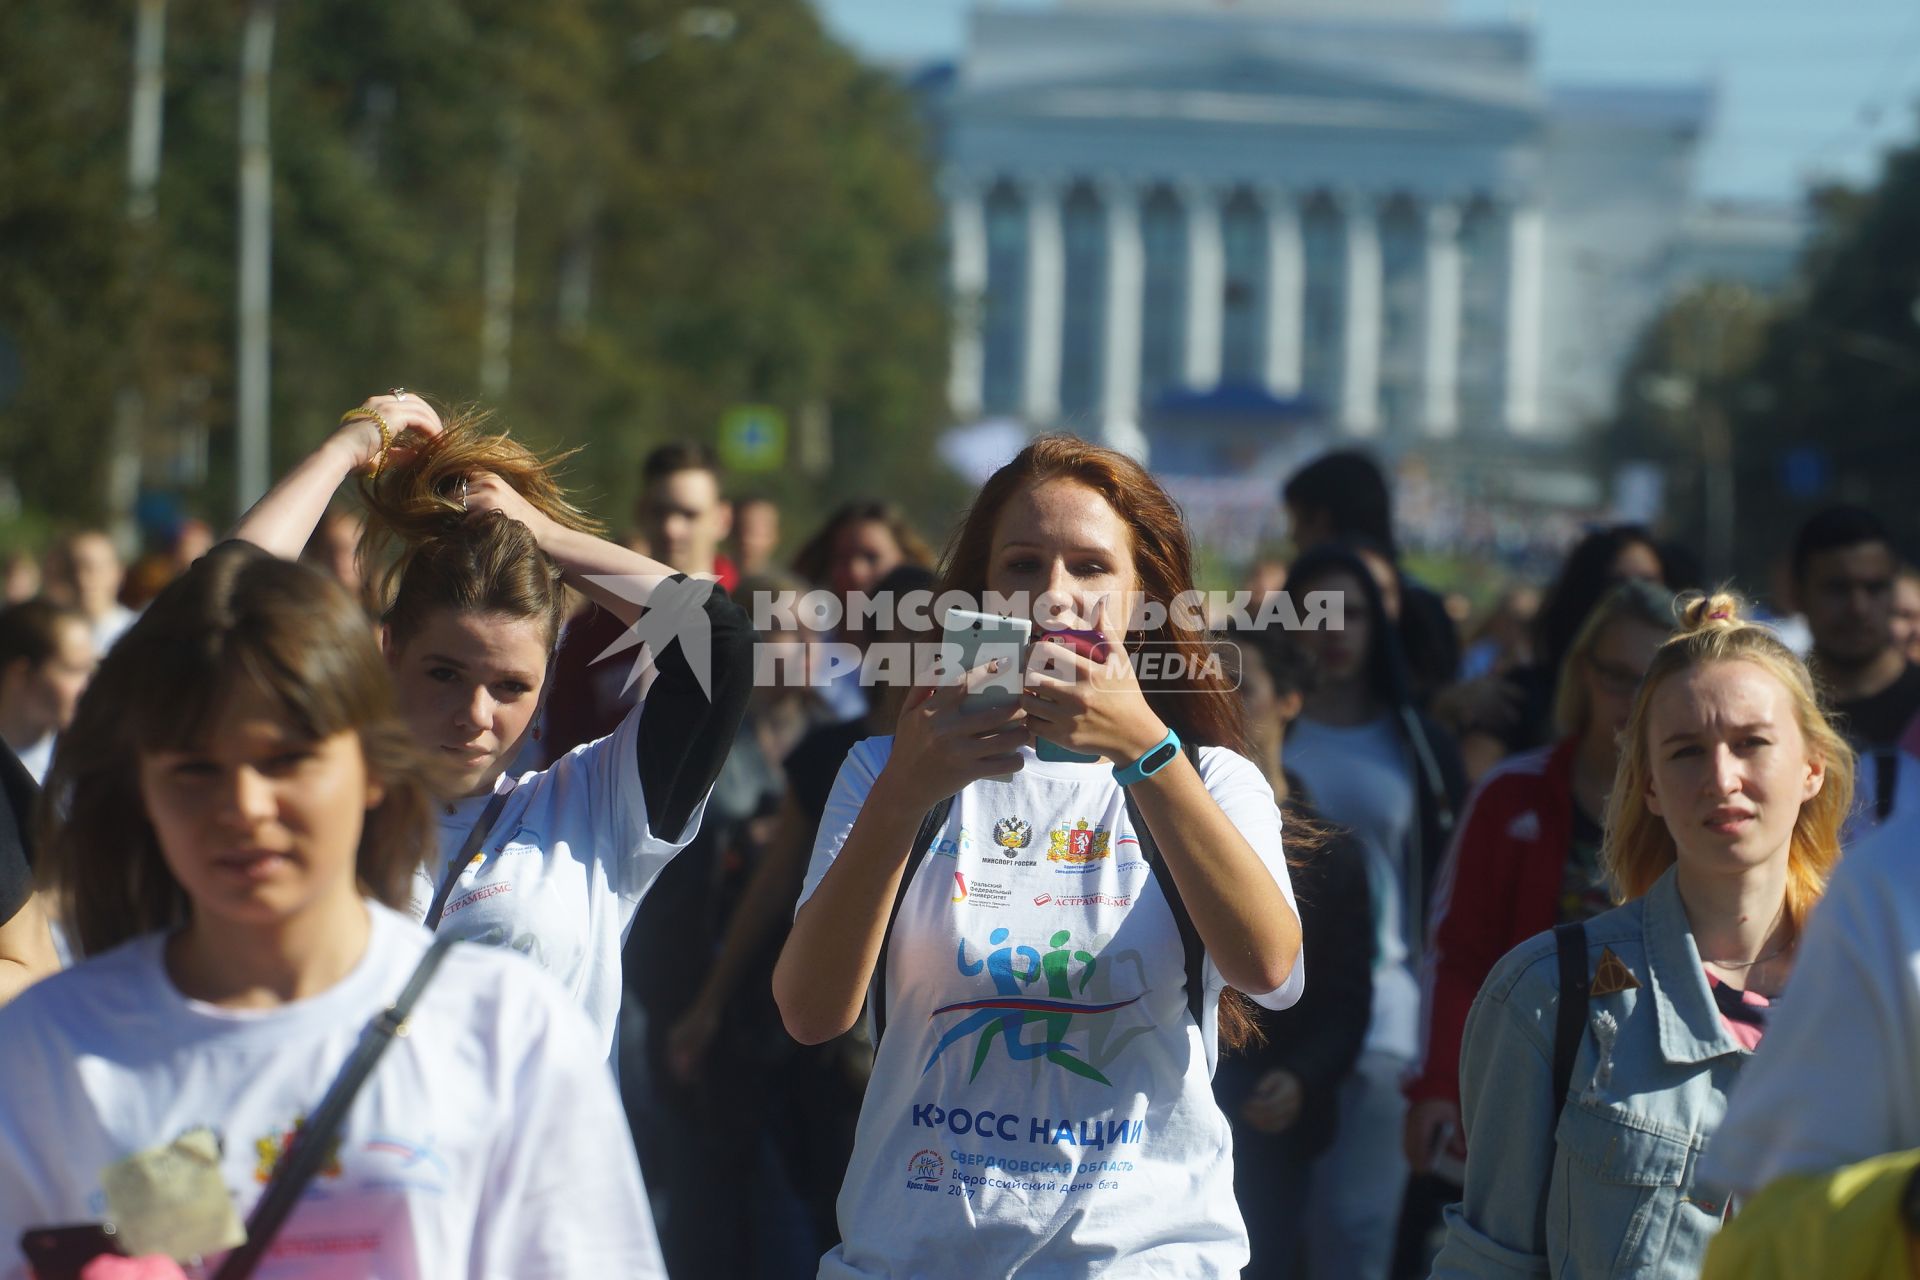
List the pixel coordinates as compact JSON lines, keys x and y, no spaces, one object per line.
{"x":1570,"y":1020}
{"x":1194,"y":950}
{"x":1569,"y":1028}
{"x":930,"y":828}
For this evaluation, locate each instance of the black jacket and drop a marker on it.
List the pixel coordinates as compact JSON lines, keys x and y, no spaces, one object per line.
{"x":1319,"y":1039}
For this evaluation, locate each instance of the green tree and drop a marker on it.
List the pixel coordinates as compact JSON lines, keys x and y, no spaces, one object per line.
{"x":704,"y":214}
{"x":1839,"y":379}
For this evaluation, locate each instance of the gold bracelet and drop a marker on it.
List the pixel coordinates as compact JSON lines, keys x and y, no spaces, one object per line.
{"x":386,"y":434}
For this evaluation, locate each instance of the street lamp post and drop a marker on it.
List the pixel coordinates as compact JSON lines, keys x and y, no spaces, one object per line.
{"x":256,"y":254}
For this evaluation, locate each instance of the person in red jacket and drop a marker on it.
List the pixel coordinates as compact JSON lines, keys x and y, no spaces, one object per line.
{"x":1525,"y":856}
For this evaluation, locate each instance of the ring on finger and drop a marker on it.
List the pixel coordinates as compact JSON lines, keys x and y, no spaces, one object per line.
{"x":398,"y":393}
{"x":463,"y":493}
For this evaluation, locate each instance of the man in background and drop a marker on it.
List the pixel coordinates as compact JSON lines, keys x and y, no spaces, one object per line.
{"x":1843,"y":580}
{"x":84,"y":572}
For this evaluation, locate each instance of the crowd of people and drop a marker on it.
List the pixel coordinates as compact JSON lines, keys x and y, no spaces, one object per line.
{"x":1578,"y":942}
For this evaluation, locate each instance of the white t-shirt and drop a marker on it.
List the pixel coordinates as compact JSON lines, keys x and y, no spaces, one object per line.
{"x":1837,"y":1078}
{"x":1078,"y":1137}
{"x":562,"y":870}
{"x":488,"y":1142}
{"x":110,"y":626}
{"x":1361,"y":777}
{"x":37,"y":757}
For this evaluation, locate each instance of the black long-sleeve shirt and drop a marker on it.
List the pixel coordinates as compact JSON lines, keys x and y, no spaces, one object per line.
{"x":685,"y":731}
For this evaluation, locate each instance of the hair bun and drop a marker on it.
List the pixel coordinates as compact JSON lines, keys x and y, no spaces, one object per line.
{"x":1700,"y":612}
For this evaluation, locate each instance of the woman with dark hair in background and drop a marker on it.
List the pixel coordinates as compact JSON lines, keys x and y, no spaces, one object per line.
{"x":1497,"y":718}
{"x":1379,"y":768}
{"x":1282,"y":1091}
{"x":860,"y":543}
{"x":1046,"y":1027}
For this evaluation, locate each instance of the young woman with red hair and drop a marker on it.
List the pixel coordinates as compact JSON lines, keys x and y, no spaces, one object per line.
{"x":1046,"y":1013}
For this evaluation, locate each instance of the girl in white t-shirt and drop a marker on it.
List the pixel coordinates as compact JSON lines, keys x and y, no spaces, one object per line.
{"x":553,"y":863}
{"x":232,"y":825}
{"x":1040,"y":1099}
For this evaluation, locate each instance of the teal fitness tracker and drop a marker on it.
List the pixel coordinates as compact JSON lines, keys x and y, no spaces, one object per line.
{"x":1158,"y":757}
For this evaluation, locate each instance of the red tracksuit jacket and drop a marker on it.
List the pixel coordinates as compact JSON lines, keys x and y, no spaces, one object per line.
{"x":1499,"y":886}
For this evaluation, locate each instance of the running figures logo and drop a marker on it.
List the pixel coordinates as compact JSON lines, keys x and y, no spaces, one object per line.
{"x":674,"y":609}
{"x":1008,"y":1012}
{"x":925,"y":1170}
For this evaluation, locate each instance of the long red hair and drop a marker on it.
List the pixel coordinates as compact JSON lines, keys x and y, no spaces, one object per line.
{"x":1200,"y":705}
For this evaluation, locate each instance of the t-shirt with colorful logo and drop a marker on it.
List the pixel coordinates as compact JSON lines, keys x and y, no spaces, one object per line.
{"x":488,"y":1141}
{"x":1040,"y":1101}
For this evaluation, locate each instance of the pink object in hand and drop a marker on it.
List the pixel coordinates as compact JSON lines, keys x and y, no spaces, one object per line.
{"x":151,"y":1267}
{"x":1088,"y":644}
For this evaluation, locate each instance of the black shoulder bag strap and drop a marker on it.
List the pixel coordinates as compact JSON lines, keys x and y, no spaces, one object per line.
{"x":475,"y":838}
{"x":1569,"y":1027}
{"x":1570,"y":1020}
{"x":1191,"y":947}
{"x":930,"y":828}
{"x":312,"y":1141}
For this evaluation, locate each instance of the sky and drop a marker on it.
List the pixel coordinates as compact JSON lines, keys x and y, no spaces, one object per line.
{"x":1803,"y":90}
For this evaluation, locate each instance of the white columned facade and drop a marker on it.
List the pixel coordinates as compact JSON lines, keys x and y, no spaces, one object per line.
{"x":1526,"y":244}
{"x":1360,"y":374}
{"x":1206,"y":287}
{"x":1286,"y":294}
{"x":1126,"y":290}
{"x":967,"y":234}
{"x":1046,"y":302}
{"x":1441,"y":362}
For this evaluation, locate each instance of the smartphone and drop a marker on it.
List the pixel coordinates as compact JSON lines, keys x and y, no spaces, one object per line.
{"x":61,"y":1253}
{"x":973,"y":638}
{"x":1093,"y":646}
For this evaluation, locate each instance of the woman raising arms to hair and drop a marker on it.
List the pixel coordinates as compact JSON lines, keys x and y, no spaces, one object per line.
{"x":1046,"y":1028}
{"x":229,"y":826}
{"x":1722,"y":825}
{"x":552,"y":863}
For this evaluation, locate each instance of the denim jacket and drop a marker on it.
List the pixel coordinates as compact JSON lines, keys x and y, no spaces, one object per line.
{"x":1649,"y":1087}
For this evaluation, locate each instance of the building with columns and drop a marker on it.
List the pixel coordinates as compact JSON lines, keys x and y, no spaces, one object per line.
{"x":1355,"y":205}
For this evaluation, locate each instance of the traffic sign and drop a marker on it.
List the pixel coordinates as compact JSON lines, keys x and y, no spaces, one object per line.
{"x":753,"y":437}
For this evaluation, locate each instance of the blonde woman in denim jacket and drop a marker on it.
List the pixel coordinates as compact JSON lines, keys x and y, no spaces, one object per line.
{"x":1721,"y":828}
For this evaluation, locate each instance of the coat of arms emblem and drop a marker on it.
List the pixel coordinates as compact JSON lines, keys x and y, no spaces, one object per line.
{"x":1012,"y":834}
{"x":1079,"y":844}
